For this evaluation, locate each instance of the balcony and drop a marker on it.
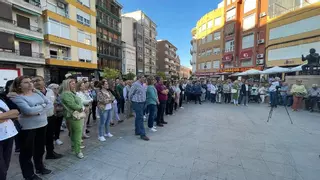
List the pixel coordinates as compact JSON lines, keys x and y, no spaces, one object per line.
{"x":29,"y":6}
{"x":109,"y":54}
{"x":57,"y":10}
{"x":107,"y":24}
{"x":105,"y":38}
{"x":22,"y":57}
{"x":102,"y":6}
{"x":11,"y":25}
{"x":60,"y":57}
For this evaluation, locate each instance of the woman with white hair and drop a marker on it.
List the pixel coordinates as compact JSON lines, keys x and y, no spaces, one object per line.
{"x":58,"y":111}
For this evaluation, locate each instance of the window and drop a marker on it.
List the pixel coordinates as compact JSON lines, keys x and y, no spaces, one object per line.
{"x":209,"y":38}
{"x":217,"y":21}
{"x":84,"y":55}
{"x":231,"y":14}
{"x":208,"y":52}
{"x":249,"y":5}
{"x":246,"y":63}
{"x":248,"y":41}
{"x":203,"y":40}
{"x":167,"y":46}
{"x":58,"y":29}
{"x":23,"y":22}
{"x":25,"y":49}
{"x":84,"y":38}
{"x":229,"y":46}
{"x":209,"y":65}
{"x":228,"y":2}
{"x":249,"y":22}
{"x":85,"y":2}
{"x":217,"y":35}
{"x":216,"y":64}
{"x":83,"y":17}
{"x":203,"y":27}
{"x":216,"y":50}
{"x":210,"y":24}
{"x":29,"y":72}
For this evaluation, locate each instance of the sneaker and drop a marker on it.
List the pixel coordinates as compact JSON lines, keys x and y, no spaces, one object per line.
{"x":160,"y":125}
{"x":54,"y":155}
{"x":152,"y":130}
{"x":80,"y":155}
{"x":101,"y":138}
{"x":43,"y":171}
{"x":181,"y":107}
{"x":58,"y":142}
{"x":154,"y":127}
{"x":109,"y":135}
{"x":144,"y":117}
{"x":82,"y":147}
{"x":85,"y":136}
{"x":164,"y":122}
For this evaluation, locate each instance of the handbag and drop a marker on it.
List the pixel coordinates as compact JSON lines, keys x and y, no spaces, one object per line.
{"x":233,"y":91}
{"x":76,"y":114}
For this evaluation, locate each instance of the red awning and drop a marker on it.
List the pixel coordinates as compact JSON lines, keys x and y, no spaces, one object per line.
{"x":246,"y":54}
{"x":227,"y":58}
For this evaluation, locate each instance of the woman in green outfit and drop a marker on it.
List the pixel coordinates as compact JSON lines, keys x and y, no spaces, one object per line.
{"x":235,"y":92}
{"x":71,"y":103}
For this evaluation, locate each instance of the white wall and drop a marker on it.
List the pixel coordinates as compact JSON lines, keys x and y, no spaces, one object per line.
{"x":129,"y":59}
{"x":292,"y":51}
{"x":127,"y":30}
{"x":302,"y":26}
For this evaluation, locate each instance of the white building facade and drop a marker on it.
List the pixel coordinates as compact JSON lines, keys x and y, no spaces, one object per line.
{"x":128,"y":59}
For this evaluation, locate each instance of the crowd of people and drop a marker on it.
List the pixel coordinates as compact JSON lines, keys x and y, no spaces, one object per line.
{"x":31,"y":113}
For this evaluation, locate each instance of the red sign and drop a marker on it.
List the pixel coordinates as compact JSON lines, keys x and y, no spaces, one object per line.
{"x":227,"y":58}
{"x":241,"y":69}
{"x":246,"y":54}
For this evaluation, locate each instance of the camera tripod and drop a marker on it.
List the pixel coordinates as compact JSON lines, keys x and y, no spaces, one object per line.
{"x":271,"y":111}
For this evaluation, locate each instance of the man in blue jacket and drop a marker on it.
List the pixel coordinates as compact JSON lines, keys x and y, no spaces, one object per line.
{"x":197,"y":92}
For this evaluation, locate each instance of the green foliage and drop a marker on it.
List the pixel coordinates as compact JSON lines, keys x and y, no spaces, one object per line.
{"x":162,"y":75}
{"x":109,"y":73}
{"x":129,"y":76}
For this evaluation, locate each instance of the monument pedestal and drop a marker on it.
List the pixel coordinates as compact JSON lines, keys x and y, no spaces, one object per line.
{"x":307,"y":80}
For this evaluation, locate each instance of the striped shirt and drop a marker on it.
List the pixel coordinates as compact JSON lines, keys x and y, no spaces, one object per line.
{"x":137,"y":92}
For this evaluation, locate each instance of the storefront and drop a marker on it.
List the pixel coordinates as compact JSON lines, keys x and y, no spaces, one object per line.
{"x":56,"y":74}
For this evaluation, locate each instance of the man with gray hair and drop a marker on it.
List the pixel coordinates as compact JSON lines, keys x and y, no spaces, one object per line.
{"x":137,"y":95}
{"x":314,"y":96}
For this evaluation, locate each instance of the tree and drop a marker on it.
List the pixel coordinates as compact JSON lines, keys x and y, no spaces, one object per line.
{"x":110,"y":73}
{"x":162,"y":75}
{"x":130,"y":76}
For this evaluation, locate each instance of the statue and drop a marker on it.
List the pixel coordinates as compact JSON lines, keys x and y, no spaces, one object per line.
{"x":313,"y":62}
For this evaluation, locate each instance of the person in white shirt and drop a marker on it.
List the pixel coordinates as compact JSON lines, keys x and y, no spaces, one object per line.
{"x":213,"y":91}
{"x":262,"y":92}
{"x":7,"y":133}
{"x":273,"y":91}
{"x":83,"y":94}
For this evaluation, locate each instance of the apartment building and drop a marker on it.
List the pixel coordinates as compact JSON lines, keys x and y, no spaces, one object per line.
{"x":209,"y":42}
{"x":292,"y":30}
{"x":144,"y":38}
{"x":21,"y":39}
{"x":184,"y":72}
{"x":244,"y":35}
{"x":168,"y":60}
{"x":129,"y":51}
{"x":70,"y":38}
{"x":109,"y":34}
{"x":193,"y":50}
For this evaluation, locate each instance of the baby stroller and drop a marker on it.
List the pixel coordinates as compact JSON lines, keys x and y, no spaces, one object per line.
{"x":254,"y":95}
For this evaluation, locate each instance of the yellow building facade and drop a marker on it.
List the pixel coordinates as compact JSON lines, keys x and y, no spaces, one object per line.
{"x":70,"y":38}
{"x":209,"y":41}
{"x":291,"y":35}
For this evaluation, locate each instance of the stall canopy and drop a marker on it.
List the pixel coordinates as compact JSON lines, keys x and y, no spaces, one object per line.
{"x":250,"y":72}
{"x":275,"y":70}
{"x":295,"y":69}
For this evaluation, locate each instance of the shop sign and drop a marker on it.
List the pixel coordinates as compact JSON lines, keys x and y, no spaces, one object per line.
{"x":288,"y":61}
{"x":247,"y":54}
{"x":240,"y":69}
{"x":227,"y":58}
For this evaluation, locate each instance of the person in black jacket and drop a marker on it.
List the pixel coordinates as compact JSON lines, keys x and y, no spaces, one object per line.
{"x":244,"y":93}
{"x":197,"y":92}
{"x":170,"y":101}
{"x":181,"y":93}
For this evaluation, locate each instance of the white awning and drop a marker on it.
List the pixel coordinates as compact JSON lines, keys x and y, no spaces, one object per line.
{"x":275,"y":70}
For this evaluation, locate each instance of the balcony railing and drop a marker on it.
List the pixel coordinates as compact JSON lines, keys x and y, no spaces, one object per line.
{"x":23,"y":53}
{"x":33,"y":3}
{"x":109,"y":39}
{"x":110,"y":54}
{"x":15,"y":23}
{"x":108,"y":24}
{"x":60,"y":57}
{"x":103,"y":7}
{"x":281,"y":7}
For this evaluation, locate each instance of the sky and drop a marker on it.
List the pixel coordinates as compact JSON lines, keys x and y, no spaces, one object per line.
{"x":174,"y":19}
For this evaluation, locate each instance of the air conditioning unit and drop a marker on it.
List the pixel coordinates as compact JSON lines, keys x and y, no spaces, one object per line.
{"x":259,"y":61}
{"x":263,"y":14}
{"x":260,"y":41}
{"x":260,"y":55}
{"x":60,"y":5}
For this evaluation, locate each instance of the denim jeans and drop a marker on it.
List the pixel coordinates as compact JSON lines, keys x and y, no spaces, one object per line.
{"x":152,"y":108}
{"x":273,"y":99}
{"x":138,"y":108}
{"x":105,"y":117}
{"x":284,"y":100}
{"x":115,"y":114}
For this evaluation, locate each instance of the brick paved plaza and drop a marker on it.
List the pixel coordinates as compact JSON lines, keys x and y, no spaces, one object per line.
{"x":201,"y":142}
